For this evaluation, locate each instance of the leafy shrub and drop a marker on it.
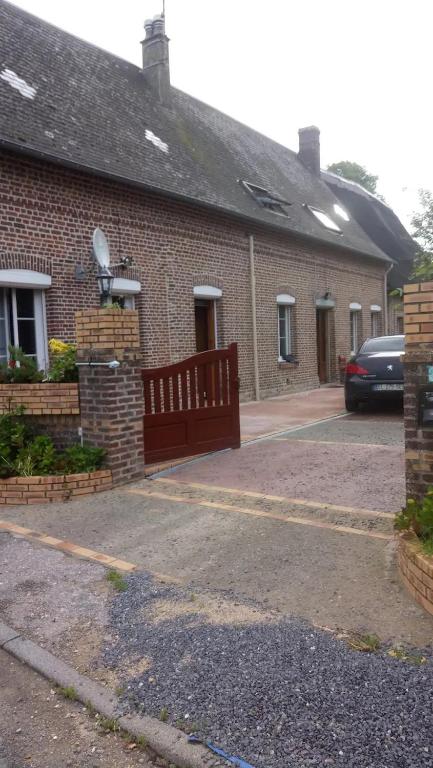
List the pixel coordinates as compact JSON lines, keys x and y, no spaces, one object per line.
{"x":82,"y":458}
{"x":63,"y":366}
{"x":24,"y":454}
{"x":13,"y":436}
{"x":38,"y":457}
{"x":19,"y":369}
{"x":418,"y":516}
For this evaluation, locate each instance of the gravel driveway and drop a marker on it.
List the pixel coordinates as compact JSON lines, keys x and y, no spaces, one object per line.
{"x":272,"y":690}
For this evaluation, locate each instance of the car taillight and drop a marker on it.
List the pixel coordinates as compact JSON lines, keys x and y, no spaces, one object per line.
{"x":353,"y":369}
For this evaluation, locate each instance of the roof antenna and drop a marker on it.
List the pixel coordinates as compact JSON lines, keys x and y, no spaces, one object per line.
{"x":163,"y":9}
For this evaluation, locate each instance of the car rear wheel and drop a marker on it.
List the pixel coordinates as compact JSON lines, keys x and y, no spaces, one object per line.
{"x":351,"y":404}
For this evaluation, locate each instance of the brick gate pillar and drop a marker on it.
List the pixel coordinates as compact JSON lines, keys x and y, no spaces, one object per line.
{"x":418,"y":373}
{"x":111,"y":399}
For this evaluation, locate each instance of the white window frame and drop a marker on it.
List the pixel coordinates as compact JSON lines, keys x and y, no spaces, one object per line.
{"x":40,"y":324}
{"x":355,"y":316}
{"x":375,"y":311}
{"x":285,"y":302}
{"x":126,"y":290}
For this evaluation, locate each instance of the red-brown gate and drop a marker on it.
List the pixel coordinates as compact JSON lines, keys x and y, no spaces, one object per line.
{"x":192,"y":407}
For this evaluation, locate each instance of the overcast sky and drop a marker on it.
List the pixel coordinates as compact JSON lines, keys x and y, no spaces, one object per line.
{"x":361,"y":71}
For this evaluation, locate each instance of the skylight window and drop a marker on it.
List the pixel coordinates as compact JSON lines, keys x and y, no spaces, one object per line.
{"x":324,"y":219}
{"x":267,"y":199}
{"x":341,"y":212}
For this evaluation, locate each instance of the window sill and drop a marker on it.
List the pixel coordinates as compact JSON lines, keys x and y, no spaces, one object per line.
{"x":285,"y":365}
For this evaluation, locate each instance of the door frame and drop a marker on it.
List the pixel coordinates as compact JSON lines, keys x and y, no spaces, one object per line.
{"x":322,"y":335}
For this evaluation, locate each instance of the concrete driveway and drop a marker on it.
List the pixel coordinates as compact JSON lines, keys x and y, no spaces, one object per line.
{"x":301,"y":522}
{"x":287,"y":411}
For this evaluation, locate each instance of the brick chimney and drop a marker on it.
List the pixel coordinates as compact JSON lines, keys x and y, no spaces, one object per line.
{"x":156,"y":65}
{"x":309,"y":148}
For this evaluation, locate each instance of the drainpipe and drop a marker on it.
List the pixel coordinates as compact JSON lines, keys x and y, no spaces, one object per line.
{"x":385,"y":300}
{"x":254,"y":318}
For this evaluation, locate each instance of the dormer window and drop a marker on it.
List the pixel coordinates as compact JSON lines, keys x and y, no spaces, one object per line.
{"x":324,"y":219}
{"x":267,"y":199}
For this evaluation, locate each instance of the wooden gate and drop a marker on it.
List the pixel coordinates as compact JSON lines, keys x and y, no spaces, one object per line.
{"x":192,"y":407}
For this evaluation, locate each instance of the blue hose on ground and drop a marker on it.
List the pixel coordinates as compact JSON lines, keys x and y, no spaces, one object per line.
{"x":231,"y":758}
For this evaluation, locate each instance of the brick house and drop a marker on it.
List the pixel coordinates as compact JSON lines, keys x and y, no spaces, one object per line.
{"x":381,"y":224}
{"x":233,"y":237}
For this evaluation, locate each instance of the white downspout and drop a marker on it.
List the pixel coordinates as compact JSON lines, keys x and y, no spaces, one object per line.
{"x":254,"y":318}
{"x":385,"y":300}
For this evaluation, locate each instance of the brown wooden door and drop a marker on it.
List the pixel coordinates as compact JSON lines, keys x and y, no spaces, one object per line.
{"x":322,"y":345}
{"x":204,"y":324}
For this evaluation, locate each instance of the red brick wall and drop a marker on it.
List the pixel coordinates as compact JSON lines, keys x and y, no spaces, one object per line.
{"x":418,"y":327}
{"x":48,"y":215}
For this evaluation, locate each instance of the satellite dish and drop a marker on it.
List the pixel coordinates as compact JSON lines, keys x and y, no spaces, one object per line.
{"x":101,"y":250}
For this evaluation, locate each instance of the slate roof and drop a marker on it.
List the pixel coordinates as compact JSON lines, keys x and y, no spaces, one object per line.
{"x":92,"y":109}
{"x":380,"y":223}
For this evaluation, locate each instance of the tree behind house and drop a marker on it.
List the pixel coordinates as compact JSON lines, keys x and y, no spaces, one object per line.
{"x":422,"y":223}
{"x":355,"y":172}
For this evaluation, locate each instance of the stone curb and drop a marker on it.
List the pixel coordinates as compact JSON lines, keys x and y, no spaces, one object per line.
{"x":168,"y":742}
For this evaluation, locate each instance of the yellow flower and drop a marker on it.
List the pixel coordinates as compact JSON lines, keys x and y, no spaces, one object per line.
{"x":58,"y":347}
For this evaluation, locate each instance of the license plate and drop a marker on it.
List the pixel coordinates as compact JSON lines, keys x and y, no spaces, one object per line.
{"x":388,"y":387}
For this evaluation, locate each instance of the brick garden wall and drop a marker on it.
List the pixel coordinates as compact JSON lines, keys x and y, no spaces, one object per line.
{"x":38,"y":399}
{"x":42,"y":489}
{"x":416,"y":570}
{"x":50,"y":214}
{"x":50,"y":409}
{"x":111,"y":400}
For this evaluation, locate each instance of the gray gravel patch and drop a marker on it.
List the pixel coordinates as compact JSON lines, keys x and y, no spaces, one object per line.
{"x":353,"y":430}
{"x":278,"y":693}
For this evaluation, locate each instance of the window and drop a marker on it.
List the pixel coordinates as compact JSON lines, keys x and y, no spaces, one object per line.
{"x":324,"y":219}
{"x":339,"y":211}
{"x":355,"y":316}
{"x":123,"y":292}
{"x":399,"y":324}
{"x":22,"y":323}
{"x":126,"y":302}
{"x":285,"y":304}
{"x":375,"y":324}
{"x":267,"y":199}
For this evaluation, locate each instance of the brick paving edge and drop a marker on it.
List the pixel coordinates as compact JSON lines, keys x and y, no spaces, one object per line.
{"x":166,"y":741}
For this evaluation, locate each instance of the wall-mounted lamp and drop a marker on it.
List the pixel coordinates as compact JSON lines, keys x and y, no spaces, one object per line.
{"x":105,"y":280}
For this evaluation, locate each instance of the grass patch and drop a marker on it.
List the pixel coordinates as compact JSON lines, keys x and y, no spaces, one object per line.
{"x":68,"y":692}
{"x":116,"y":580}
{"x":108,"y":724}
{"x":364,"y":643}
{"x":163,"y":715}
{"x":412,"y":658}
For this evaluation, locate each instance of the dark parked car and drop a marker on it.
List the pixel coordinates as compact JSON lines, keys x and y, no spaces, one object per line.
{"x":375,"y":372}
